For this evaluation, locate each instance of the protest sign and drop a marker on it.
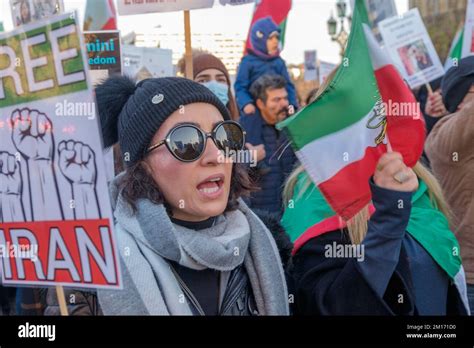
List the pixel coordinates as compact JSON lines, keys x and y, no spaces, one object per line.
{"x":409,"y":45}
{"x":377,"y":11}
{"x":104,"y":51}
{"x":105,"y":59}
{"x":325,"y":69}
{"x":132,"y":7}
{"x":310,"y":69}
{"x":236,"y":2}
{"x":468,"y":37}
{"x":55,"y":213}
{"x":27,"y":11}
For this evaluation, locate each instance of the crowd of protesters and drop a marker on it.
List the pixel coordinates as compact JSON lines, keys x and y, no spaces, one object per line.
{"x":191,"y":249}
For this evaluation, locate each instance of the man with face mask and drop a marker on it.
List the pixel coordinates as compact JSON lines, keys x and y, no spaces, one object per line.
{"x":278,"y":159}
{"x":450,"y":148}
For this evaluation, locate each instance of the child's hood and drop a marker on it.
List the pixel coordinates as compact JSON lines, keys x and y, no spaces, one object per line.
{"x":261,"y":31}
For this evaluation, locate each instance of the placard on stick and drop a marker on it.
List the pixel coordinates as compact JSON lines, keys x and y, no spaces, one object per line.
{"x":56,"y":219}
{"x":411,"y":49}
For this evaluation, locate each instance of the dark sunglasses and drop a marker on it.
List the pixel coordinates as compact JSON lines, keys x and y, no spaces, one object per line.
{"x":187,"y":142}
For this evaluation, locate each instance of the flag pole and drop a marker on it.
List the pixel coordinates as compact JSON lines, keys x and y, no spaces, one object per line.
{"x":188,"y":56}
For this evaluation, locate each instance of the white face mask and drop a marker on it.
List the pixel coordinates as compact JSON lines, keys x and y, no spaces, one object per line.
{"x":219,"y":89}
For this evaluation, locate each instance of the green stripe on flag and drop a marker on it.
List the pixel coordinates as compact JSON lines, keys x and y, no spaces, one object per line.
{"x":283,"y":32}
{"x":341,"y":105}
{"x":456,"y":51}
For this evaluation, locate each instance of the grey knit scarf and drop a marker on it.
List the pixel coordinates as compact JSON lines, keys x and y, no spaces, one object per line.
{"x":147,"y":238}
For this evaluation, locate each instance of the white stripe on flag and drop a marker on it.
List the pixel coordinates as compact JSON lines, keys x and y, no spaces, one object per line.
{"x":379,"y":56}
{"x":329,"y":154}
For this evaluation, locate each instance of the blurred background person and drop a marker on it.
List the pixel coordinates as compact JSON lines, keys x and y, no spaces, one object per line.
{"x":277,"y":159}
{"x":212,"y":73}
{"x":450,"y":149}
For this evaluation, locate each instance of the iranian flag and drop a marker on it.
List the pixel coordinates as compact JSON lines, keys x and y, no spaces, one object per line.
{"x":341,"y":135}
{"x":100,"y":15}
{"x":455,"y":51}
{"x":277,"y":9}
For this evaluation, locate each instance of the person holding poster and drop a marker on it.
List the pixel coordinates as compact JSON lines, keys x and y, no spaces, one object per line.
{"x":450,"y":148}
{"x":189,"y":244}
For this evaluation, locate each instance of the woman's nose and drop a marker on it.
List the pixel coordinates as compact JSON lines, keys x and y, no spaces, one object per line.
{"x":212,"y":155}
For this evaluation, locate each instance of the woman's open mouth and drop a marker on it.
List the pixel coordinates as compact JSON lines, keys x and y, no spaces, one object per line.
{"x":211,"y":187}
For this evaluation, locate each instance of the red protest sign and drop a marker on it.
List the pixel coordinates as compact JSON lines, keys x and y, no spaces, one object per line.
{"x":77,"y":253}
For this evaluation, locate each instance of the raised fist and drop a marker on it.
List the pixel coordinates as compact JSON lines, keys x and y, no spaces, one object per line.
{"x":32,"y":134}
{"x":77,"y":162}
{"x":10,"y":176}
{"x":393,"y":174}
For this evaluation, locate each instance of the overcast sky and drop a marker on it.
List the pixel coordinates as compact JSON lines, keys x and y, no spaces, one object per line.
{"x":306,"y":28}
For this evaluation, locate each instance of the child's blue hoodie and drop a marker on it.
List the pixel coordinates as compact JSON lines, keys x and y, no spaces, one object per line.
{"x":258,"y":63}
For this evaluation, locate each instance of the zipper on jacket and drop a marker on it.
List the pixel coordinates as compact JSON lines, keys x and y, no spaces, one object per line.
{"x":188,"y":292}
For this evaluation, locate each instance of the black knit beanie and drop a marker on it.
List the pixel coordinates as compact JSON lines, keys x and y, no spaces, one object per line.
{"x":131,"y":113}
{"x":456,"y":83}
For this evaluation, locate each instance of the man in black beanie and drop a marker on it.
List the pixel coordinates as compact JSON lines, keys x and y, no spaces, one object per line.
{"x":450,"y":149}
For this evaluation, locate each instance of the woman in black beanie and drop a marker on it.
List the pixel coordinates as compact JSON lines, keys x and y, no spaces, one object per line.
{"x":188,"y":243}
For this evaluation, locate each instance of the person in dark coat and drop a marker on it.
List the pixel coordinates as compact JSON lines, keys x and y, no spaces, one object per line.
{"x":195,"y":247}
{"x":388,"y":264}
{"x":275,"y":156}
{"x":450,"y":148}
{"x":262,"y":59}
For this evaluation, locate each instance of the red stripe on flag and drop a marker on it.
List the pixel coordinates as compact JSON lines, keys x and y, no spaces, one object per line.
{"x":406,"y":133}
{"x":348,"y":191}
{"x":110,"y":25}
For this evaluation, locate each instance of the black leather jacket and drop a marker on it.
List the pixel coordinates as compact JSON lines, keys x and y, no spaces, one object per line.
{"x":238,"y":298}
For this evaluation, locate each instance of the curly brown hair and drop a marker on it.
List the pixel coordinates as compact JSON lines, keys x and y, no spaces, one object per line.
{"x":137,"y":183}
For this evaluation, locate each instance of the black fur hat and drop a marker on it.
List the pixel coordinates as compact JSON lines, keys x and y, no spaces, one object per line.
{"x":131,"y":113}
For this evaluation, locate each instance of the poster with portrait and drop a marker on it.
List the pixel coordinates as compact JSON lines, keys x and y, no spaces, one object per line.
{"x":310,"y":68}
{"x":468,"y":37}
{"x":411,"y":49}
{"x":28,"y":11}
{"x":377,"y":11}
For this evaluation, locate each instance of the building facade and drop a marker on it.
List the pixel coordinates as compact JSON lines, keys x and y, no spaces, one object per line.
{"x":442,"y":19}
{"x":228,"y":46}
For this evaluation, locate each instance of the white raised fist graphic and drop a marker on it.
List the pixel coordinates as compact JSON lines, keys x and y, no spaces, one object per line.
{"x":10,"y":176}
{"x":32,"y":134}
{"x":77,"y":162}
